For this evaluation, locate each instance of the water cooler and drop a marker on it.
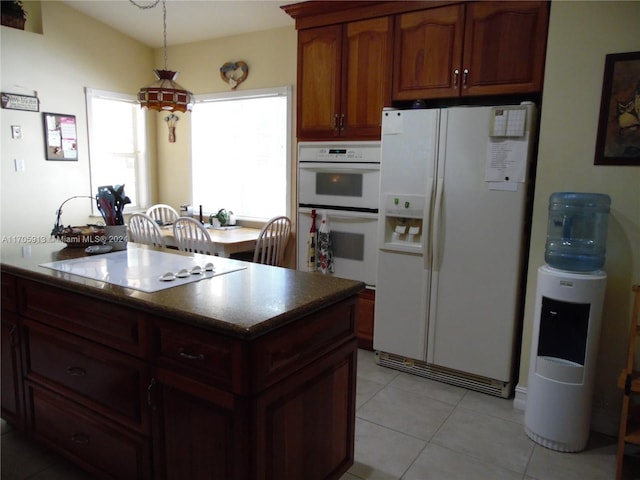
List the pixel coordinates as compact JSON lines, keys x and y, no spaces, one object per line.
{"x":567,"y":319}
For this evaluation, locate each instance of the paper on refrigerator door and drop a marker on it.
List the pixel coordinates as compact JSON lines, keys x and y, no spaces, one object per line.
{"x":506,"y":160}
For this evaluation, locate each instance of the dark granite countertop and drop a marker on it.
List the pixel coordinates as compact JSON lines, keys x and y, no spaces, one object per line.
{"x":245,"y":304}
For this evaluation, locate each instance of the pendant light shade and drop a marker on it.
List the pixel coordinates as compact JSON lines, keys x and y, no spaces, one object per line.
{"x":165,"y":94}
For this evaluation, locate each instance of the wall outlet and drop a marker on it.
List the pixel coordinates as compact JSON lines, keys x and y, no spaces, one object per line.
{"x":16,"y":132}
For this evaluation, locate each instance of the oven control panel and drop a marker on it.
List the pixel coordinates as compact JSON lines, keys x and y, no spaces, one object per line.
{"x":360,"y":152}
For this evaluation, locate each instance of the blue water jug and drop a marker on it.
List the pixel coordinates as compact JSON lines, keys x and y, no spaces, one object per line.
{"x":577,"y":231}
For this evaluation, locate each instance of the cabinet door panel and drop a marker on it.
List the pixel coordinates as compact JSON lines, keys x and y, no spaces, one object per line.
{"x":504,"y":47}
{"x":202,"y":437}
{"x":97,"y":446}
{"x":11,"y":391}
{"x":319,"y":55}
{"x":428,"y":50}
{"x":87,"y":371}
{"x":367,"y":84}
{"x":305,"y":427}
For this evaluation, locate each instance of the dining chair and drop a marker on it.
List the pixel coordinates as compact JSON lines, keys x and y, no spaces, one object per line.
{"x":272,"y":241}
{"x":143,"y":229}
{"x":192,"y":236}
{"x":163,"y":214}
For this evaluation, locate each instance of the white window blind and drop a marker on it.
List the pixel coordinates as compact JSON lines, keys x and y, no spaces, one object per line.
{"x":240,"y":152}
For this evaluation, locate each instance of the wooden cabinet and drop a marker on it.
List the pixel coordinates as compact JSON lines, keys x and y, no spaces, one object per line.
{"x":470,"y":49}
{"x":366,"y":300}
{"x":280,"y":407}
{"x":344,"y":79}
{"x":140,"y":395}
{"x":11,"y":373}
{"x":85,"y":380}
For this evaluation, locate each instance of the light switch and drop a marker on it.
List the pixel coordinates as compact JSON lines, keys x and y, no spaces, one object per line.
{"x":19,"y":164}
{"x":16,"y":132}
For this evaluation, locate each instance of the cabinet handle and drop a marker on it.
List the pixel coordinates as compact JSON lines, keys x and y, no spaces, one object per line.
{"x":152,"y":383}
{"x":76,"y":371}
{"x":342,"y":121}
{"x":80,"y":438}
{"x":12,"y":336}
{"x":456,"y":75}
{"x":465,"y":77}
{"x":190,"y":356}
{"x":336,"y":123}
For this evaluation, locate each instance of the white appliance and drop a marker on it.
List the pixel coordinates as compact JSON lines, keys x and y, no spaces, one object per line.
{"x":564,"y":351}
{"x":341,"y":179}
{"x":453,"y":197}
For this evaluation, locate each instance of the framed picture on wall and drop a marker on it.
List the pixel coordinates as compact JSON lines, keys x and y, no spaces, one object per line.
{"x":618,"y":140}
{"x":60,"y":137}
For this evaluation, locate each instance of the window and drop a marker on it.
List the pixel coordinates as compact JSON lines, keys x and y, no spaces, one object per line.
{"x":240,"y":152}
{"x":117,"y":144}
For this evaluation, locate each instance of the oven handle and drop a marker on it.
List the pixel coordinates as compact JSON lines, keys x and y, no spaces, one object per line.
{"x":350,"y":215}
{"x":338,"y":167}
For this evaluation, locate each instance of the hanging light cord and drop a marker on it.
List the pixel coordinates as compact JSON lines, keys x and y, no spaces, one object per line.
{"x":164,"y":22}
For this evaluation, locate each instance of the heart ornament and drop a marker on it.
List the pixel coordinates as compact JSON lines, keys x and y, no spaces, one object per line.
{"x":234,"y":73}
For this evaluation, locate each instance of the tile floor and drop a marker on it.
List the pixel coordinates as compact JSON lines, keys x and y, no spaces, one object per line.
{"x":407,"y":428}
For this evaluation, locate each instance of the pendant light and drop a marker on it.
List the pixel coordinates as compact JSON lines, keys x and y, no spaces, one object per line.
{"x":165,"y":94}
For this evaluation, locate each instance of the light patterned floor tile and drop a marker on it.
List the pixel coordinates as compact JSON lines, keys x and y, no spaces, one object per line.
{"x":439,"y":463}
{"x":429,"y":388}
{"x":491,"y":439}
{"x":494,"y":406}
{"x":596,"y":462}
{"x":381,"y":453}
{"x":406,"y":412}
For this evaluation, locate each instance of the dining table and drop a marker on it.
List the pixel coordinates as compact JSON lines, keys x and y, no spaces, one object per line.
{"x":226,"y":240}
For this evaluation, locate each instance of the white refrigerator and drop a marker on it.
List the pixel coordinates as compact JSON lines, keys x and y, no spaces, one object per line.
{"x":453,"y":202}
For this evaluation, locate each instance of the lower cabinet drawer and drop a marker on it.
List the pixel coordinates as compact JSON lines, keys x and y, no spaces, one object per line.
{"x":113,"y":382}
{"x":97,"y":446}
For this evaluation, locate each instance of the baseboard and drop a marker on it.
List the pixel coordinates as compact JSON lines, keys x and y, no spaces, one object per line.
{"x":520,"y":398}
{"x":603,"y":421}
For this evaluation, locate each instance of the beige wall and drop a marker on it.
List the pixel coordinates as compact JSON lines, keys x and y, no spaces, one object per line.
{"x":57,"y":64}
{"x":271,"y":56}
{"x":580,"y":35}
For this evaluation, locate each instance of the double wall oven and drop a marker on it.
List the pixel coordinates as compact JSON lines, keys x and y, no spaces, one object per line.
{"x":341,"y":179}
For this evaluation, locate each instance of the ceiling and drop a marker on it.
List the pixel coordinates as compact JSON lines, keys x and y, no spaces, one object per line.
{"x":187,"y":20}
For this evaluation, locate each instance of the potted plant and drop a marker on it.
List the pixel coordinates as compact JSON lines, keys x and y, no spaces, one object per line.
{"x":13,"y":14}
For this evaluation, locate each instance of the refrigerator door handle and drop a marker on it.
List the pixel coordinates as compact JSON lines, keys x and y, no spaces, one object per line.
{"x":437,"y":214}
{"x":426,"y":222}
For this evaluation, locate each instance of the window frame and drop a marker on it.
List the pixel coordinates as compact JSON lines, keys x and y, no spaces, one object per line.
{"x":285,"y":91}
{"x":142,"y":152}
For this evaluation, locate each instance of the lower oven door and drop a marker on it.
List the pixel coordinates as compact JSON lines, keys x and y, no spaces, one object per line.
{"x":353,"y":241}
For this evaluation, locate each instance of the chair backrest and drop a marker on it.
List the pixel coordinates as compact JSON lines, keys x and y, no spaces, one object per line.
{"x":143,"y":229}
{"x":272,"y":241}
{"x":191,"y":236}
{"x":165,"y":214}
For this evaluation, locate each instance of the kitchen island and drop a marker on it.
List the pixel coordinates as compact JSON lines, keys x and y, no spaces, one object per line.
{"x":249,"y":374}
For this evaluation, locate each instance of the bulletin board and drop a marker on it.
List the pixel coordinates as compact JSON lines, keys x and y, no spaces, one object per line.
{"x":60,"y":137}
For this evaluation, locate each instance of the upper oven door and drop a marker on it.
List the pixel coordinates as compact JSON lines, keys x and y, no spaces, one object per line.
{"x":342,"y":185}
{"x":344,"y":175}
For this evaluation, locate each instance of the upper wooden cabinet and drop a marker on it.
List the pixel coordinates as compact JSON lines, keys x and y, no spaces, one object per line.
{"x":354,"y":58}
{"x":428,"y":51}
{"x":470,"y":49}
{"x":344,"y":79}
